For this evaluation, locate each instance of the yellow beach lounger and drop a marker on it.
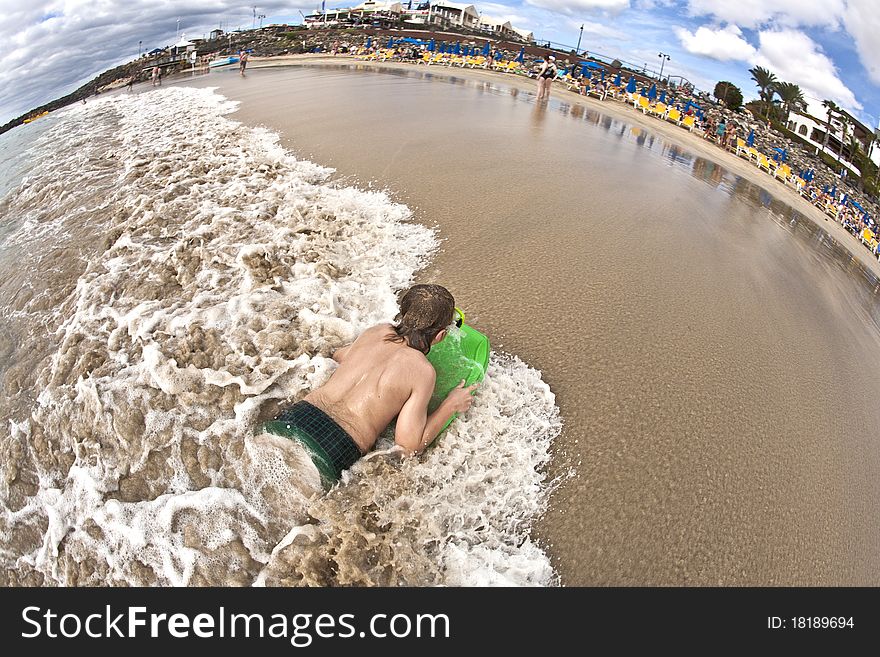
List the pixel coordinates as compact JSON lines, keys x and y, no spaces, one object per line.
{"x":643,"y":104}
{"x":658,"y":109}
{"x":763,"y":162}
{"x":673,"y":115}
{"x":689,"y":122}
{"x":783,"y":172}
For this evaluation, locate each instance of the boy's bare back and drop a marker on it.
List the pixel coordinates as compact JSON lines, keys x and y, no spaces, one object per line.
{"x":378,"y":380}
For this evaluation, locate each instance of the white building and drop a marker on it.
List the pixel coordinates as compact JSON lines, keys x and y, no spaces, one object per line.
{"x":419,"y":15}
{"x":370,"y":6}
{"x":814,"y":129}
{"x":453,"y":14}
{"x":497,"y":27}
{"x":366,"y":12}
{"x":524,"y":35}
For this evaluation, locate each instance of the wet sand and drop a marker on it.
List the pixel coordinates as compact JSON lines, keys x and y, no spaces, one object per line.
{"x":714,"y":356}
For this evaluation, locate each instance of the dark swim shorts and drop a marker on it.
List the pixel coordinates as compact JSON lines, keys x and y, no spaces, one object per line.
{"x":331,"y":448}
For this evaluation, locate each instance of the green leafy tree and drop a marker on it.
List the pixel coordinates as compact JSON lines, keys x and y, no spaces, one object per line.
{"x":791,"y":96}
{"x":729,"y":94}
{"x":766,"y":81}
{"x":845,"y":122}
{"x":832,"y":109}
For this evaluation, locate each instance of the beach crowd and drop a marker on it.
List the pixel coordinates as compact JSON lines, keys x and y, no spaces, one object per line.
{"x":739,"y":133}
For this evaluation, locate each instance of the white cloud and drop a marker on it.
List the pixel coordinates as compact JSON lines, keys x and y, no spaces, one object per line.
{"x":499,"y":11}
{"x":862,"y":21}
{"x":722,"y":44}
{"x":576,"y":6}
{"x":757,"y":13}
{"x":599,"y":30}
{"x":794,"y":57}
{"x":52,"y":47}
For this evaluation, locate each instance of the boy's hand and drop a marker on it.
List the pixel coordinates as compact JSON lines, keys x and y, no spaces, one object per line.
{"x":460,"y":398}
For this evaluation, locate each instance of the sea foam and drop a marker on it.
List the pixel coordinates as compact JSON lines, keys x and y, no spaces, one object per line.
{"x":222,"y":273}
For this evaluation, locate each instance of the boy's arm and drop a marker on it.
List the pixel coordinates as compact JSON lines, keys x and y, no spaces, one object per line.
{"x":339,"y":354}
{"x":416,"y":429}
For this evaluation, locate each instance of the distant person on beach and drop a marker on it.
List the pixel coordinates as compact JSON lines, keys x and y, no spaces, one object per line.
{"x":546,"y":74}
{"x":719,"y":132}
{"x":130,"y":82}
{"x":156,"y":77}
{"x":242,"y":61}
{"x":383,"y":374}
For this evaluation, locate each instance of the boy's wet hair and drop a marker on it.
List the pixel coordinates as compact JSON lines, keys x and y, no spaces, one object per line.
{"x":425,"y":310}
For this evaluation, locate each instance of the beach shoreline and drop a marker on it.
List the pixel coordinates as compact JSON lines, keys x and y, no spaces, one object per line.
{"x":694,"y":350}
{"x":623,"y":112}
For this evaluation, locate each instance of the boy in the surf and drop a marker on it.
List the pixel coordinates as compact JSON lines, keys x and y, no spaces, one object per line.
{"x":383,"y":374}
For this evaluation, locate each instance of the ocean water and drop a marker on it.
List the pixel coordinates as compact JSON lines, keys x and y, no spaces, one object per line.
{"x":170,"y":279}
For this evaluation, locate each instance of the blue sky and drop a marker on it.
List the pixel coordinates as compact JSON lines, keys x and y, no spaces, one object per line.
{"x":831,"y":48}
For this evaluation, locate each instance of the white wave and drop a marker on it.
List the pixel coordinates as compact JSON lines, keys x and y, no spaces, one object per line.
{"x":231,"y":272}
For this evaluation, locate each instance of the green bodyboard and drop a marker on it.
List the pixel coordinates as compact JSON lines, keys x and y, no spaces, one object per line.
{"x":462,"y":354}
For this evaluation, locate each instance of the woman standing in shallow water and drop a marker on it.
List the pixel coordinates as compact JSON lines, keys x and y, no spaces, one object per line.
{"x":545,"y":77}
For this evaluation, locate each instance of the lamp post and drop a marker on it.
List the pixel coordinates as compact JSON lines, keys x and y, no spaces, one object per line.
{"x":139,"y":49}
{"x":578,"y":48}
{"x":178,"y":30}
{"x":254,"y":24}
{"x":663,"y":57}
{"x":261,"y":17}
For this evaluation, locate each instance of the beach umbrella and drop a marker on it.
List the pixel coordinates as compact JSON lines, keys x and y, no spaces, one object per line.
{"x":652,"y":92}
{"x":431,"y":45}
{"x":390,"y":43}
{"x":751,"y":139}
{"x":603,"y":75}
{"x":663,"y":96}
{"x":617,"y":80}
{"x":522,"y":55}
{"x":456,"y":50}
{"x":499,"y":55}
{"x":486,"y":49}
{"x":631,"y":85}
{"x":369,"y":42}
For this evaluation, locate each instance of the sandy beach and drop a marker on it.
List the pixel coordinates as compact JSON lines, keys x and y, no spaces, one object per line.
{"x":703,"y":349}
{"x":684,"y":350}
{"x":623,"y":112}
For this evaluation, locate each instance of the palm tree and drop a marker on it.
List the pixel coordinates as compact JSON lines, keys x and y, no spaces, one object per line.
{"x":765,"y":81}
{"x":831,"y":107}
{"x":870,"y":141}
{"x":845,"y":122}
{"x":791,"y":96}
